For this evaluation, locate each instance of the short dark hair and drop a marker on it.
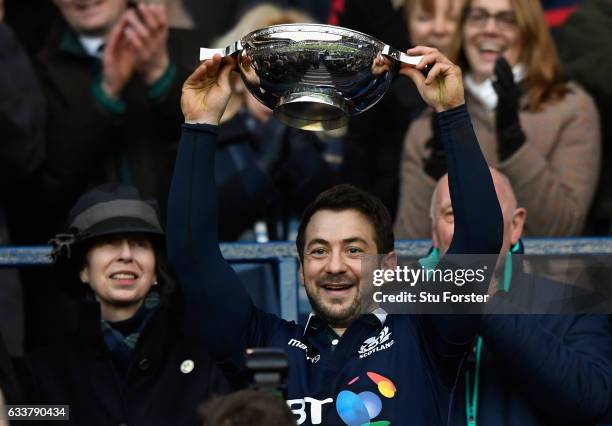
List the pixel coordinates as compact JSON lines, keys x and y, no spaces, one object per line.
{"x":246,"y":407}
{"x":349,"y":197}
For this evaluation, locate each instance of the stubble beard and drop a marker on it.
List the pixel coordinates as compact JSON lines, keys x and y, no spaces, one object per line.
{"x":327,"y":311}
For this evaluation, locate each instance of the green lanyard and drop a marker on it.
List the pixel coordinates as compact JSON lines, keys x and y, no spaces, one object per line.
{"x":471,"y":401}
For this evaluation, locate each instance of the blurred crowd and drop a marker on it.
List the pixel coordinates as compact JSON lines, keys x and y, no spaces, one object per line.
{"x":90,"y":93}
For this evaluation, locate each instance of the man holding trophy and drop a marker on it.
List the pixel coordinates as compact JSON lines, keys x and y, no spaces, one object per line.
{"x":409,"y":370}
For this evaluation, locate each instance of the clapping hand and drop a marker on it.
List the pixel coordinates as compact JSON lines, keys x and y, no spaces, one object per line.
{"x":510,"y":136}
{"x":118,"y":60}
{"x":508,"y":93}
{"x":137,"y":43}
{"x":147,"y":34}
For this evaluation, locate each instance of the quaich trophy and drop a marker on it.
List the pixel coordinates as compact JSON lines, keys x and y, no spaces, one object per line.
{"x":314,"y":76}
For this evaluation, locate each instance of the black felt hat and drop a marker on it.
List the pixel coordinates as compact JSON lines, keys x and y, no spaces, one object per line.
{"x":108,"y":210}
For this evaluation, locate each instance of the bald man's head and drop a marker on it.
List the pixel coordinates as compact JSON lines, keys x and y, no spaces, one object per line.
{"x":442,"y":217}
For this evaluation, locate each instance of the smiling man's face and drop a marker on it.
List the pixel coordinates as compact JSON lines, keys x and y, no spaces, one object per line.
{"x":92,"y":17}
{"x":335,"y":245}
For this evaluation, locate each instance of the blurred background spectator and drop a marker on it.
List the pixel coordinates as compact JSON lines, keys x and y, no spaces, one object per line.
{"x":247,"y":407}
{"x":541,"y":132}
{"x":111,"y":76}
{"x":374,"y":141}
{"x":22,"y":120}
{"x":32,"y":20}
{"x":266,"y":172}
{"x":585,"y":48}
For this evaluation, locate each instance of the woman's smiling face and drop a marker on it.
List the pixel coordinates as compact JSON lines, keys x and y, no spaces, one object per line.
{"x":490,"y":31}
{"x":434,"y":28}
{"x":120,"y":270}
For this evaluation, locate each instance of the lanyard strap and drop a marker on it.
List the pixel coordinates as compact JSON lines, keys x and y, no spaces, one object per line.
{"x":471,"y":400}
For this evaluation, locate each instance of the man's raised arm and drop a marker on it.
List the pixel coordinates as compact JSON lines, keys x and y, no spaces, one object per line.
{"x":478,"y":217}
{"x":213,"y":291}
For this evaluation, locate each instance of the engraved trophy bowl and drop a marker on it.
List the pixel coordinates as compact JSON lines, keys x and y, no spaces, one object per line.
{"x":314,"y":76}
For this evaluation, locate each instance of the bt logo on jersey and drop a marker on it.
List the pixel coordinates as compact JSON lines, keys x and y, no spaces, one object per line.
{"x":298,"y":407}
{"x":355,"y":409}
{"x":359,"y":409}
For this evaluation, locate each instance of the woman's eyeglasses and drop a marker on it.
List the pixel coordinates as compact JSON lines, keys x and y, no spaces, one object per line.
{"x":478,"y":17}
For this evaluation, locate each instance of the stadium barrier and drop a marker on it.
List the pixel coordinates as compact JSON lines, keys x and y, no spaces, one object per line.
{"x":283,"y":257}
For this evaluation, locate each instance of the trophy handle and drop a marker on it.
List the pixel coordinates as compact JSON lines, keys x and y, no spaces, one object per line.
{"x":233,"y":48}
{"x":400,"y":56}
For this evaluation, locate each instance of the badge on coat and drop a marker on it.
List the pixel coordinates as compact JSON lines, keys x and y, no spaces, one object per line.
{"x":187,"y":366}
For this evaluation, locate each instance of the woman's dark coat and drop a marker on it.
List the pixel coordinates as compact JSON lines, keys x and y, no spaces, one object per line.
{"x":158,"y":388}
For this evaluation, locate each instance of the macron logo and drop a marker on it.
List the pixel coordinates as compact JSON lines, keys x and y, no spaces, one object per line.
{"x":375,"y":344}
{"x":297,"y":344}
{"x":294,"y":343}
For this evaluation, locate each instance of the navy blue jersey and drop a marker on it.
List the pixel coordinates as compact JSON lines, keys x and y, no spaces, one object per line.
{"x":382,"y":369}
{"x":385,"y":369}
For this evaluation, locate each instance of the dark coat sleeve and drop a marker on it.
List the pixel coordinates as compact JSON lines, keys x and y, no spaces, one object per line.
{"x":224,"y":311}
{"x":8,"y":381}
{"x":477,"y":237}
{"x":568,"y":376}
{"x":22,"y":112}
{"x":79,"y":132}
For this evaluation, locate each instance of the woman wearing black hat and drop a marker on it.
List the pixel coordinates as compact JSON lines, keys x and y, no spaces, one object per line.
{"x":134,"y":359}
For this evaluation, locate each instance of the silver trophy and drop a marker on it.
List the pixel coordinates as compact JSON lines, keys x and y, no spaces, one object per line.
{"x":313,"y":76}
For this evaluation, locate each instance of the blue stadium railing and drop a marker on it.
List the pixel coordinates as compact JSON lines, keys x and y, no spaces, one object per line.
{"x":283,"y":256}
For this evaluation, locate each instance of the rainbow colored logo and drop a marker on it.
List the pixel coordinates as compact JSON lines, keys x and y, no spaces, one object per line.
{"x":359,"y":409}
